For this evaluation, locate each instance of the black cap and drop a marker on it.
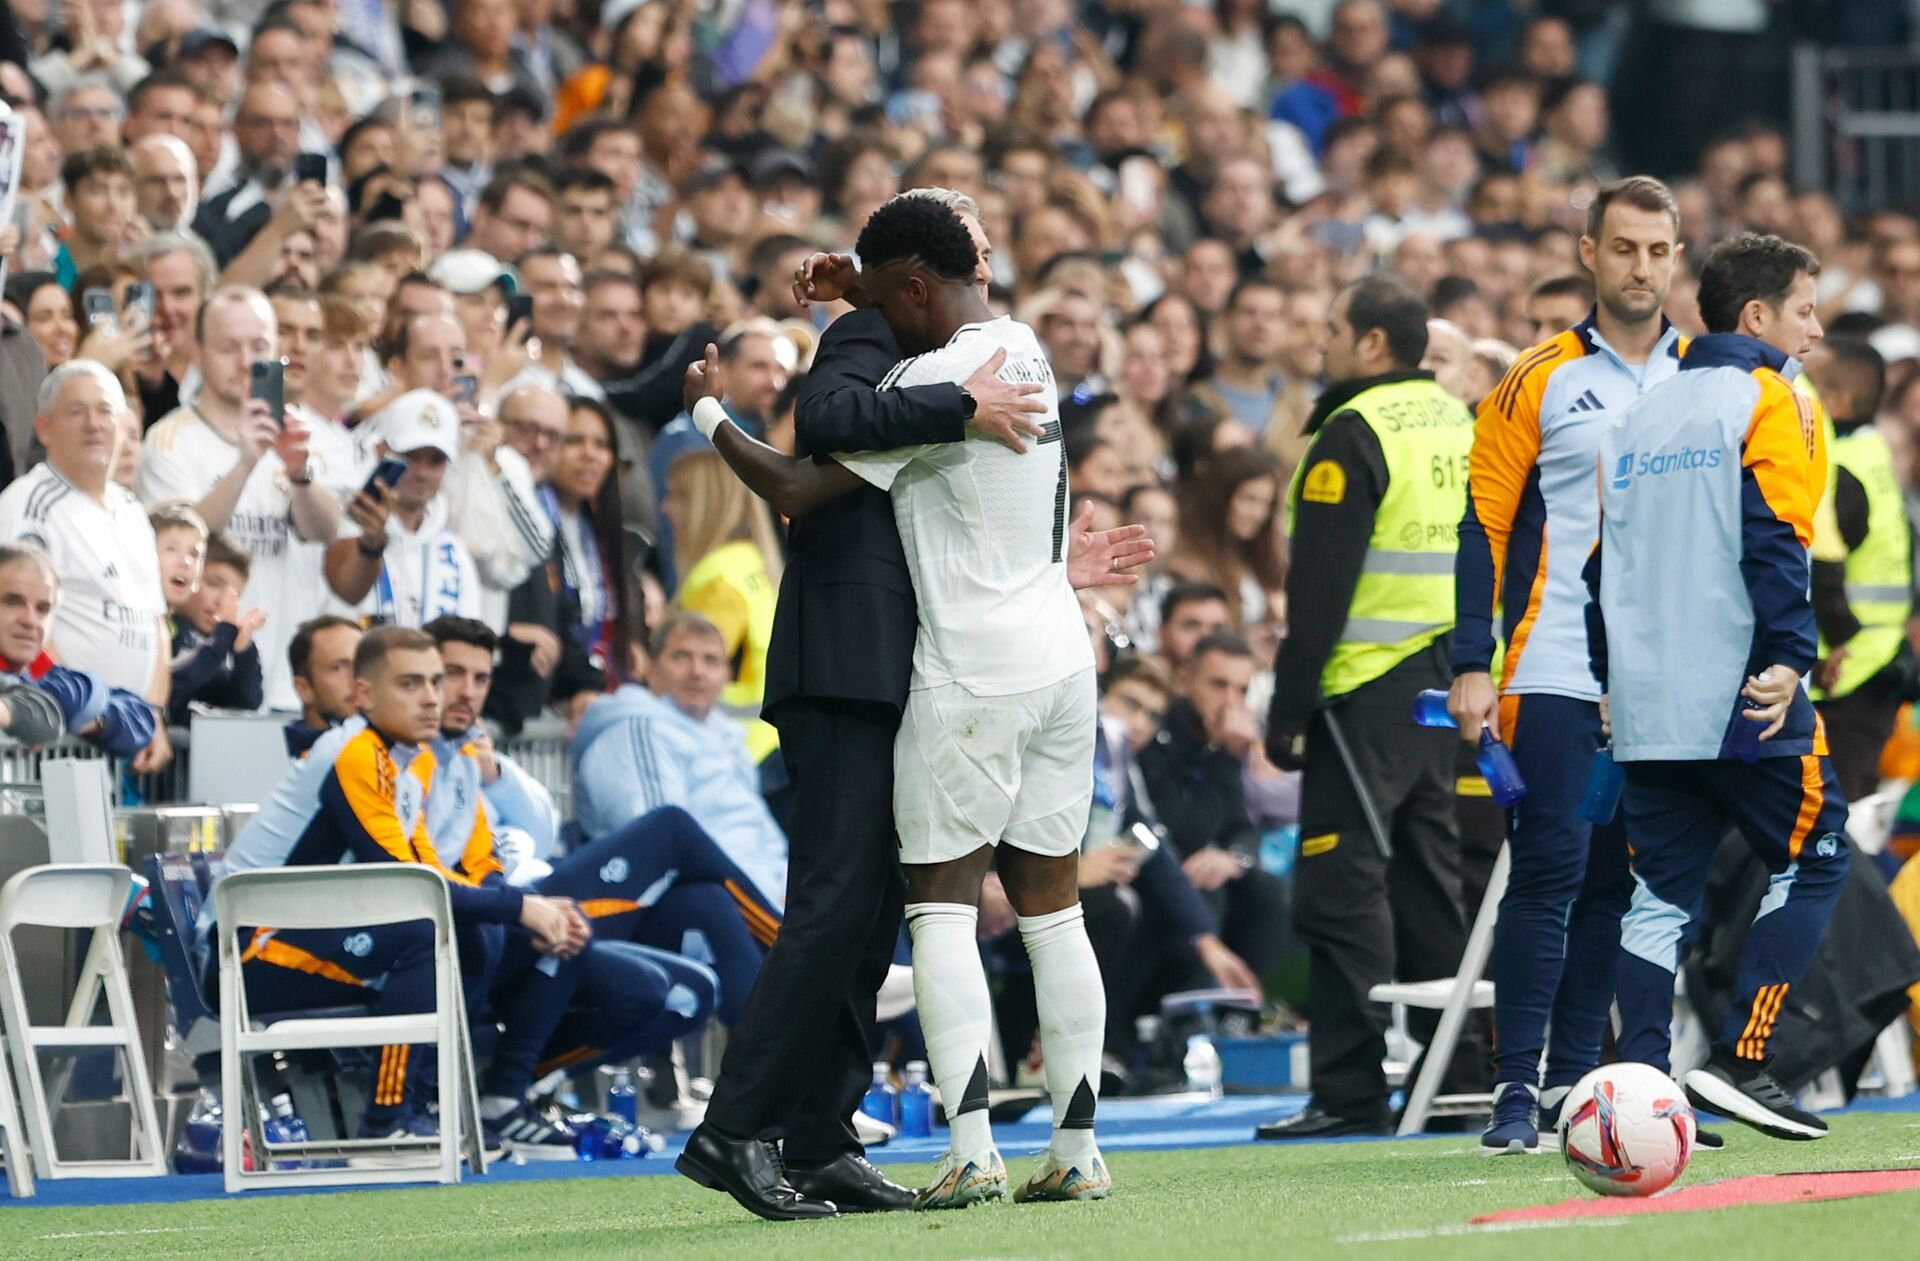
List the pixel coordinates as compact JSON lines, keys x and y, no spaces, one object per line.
{"x":713,"y":174}
{"x":770,"y":166}
{"x":203,"y":37}
{"x":524,"y":99}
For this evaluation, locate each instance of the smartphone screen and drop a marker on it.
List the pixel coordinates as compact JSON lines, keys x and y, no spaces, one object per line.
{"x":423,"y":108}
{"x":99,"y":307}
{"x":310,"y":166}
{"x":387,"y":473}
{"x":466,"y":388}
{"x":519,"y":307}
{"x":140,"y":295}
{"x":270,"y":383}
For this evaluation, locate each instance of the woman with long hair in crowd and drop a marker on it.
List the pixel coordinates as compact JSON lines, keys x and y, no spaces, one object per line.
{"x":1228,"y":535}
{"x":1183,"y":335}
{"x":729,"y":563}
{"x":583,"y":498}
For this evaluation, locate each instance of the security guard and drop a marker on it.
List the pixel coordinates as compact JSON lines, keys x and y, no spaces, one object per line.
{"x":1701,"y":634}
{"x":1862,"y":571}
{"x":1376,"y":505}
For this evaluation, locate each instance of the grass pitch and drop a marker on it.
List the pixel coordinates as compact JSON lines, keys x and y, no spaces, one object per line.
{"x":1359,"y":1200}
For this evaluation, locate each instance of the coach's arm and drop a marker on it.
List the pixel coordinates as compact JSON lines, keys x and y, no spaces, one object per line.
{"x":793,"y":486}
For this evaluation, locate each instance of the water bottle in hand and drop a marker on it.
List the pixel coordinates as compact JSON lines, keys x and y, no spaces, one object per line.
{"x":1501,"y":772}
{"x":916,"y":1102}
{"x":1604,"y":783}
{"x":1430,"y":709}
{"x":882,"y":1101}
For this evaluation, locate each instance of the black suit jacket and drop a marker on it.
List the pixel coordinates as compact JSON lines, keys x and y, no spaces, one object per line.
{"x":226,"y":233}
{"x":845,"y":624}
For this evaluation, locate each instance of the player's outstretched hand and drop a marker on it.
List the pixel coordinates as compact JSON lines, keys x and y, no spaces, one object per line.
{"x":703,"y":378}
{"x":1103,"y":559}
{"x":1003,"y":410}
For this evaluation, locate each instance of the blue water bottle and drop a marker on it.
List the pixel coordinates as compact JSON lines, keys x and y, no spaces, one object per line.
{"x":882,"y":1101}
{"x":622,"y":1100}
{"x":1604,"y":783}
{"x":1430,"y":709}
{"x":916,"y":1102}
{"x":1744,"y":743}
{"x":285,"y":1126}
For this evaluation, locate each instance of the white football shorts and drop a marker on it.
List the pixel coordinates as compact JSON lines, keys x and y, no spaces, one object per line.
{"x":978,"y":770}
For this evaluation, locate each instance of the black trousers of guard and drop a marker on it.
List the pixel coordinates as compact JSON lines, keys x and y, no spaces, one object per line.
{"x":802,"y":1053}
{"x":1365,"y":919}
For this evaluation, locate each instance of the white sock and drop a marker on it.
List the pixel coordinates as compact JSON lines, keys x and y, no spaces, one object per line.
{"x":956,"y":1016}
{"x":1073,"y":1022}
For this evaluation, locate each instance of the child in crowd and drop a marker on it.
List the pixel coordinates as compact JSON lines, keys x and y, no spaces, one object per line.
{"x":215,"y":660}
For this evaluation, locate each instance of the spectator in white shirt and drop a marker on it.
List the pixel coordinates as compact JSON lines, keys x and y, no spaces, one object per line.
{"x":398,"y":557}
{"x":246,"y":471}
{"x":111,"y":620}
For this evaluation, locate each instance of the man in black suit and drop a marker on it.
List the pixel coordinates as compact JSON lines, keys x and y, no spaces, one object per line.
{"x":837,"y":673}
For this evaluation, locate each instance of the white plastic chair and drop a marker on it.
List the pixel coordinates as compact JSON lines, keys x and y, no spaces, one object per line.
{"x":73,"y":896}
{"x":355,"y":896}
{"x":1453,"y":997}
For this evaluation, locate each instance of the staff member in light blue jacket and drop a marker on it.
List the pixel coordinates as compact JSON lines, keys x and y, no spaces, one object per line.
{"x":1701,"y":635}
{"x":638,"y":750}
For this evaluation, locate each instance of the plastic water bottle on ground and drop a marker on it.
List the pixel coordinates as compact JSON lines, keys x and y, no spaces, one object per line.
{"x":916,"y":1102}
{"x":622,"y":1100}
{"x":882,"y":1101}
{"x":285,"y":1126}
{"x":198,"y":1150}
{"x":1202,"y":1063}
{"x":621,"y":1139}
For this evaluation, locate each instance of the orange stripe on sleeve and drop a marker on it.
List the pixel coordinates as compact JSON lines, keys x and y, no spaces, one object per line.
{"x":1506,"y":446}
{"x":1785,"y":453}
{"x":367,"y":773}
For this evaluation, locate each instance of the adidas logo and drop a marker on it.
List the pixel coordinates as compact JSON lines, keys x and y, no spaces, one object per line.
{"x":1588,"y":402}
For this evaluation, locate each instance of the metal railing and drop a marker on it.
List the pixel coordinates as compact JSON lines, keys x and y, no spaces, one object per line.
{"x":540,"y":749}
{"x":1856,"y":124}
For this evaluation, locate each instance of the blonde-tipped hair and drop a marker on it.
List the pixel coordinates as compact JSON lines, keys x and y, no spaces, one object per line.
{"x":713,"y":508}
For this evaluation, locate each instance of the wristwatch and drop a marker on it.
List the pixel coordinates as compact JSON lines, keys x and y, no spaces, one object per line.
{"x":304,"y":477}
{"x":968,"y":404}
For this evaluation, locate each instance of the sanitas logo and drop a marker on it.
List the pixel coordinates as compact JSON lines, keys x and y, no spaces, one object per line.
{"x":1659,"y":463}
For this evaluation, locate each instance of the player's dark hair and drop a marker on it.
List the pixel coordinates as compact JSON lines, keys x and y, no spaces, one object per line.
{"x":1386,"y":303}
{"x":377,"y":644}
{"x":1188,"y":593}
{"x":300,"y":651}
{"x":1753,"y":266}
{"x":910,"y":227}
{"x":449,"y":629}
{"x":1864,"y":370}
{"x":1642,"y":192}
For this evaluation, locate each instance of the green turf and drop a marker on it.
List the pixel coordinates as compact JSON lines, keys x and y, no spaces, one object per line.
{"x":1345,"y":1200}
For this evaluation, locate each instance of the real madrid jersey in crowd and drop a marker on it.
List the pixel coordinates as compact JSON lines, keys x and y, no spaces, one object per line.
{"x":985,"y":532}
{"x":184,"y":458}
{"x":107,"y":621}
{"x":427,"y":573}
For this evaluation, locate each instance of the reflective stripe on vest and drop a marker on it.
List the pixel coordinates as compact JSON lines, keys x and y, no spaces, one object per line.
{"x":1404,"y":599}
{"x":1879,"y":572}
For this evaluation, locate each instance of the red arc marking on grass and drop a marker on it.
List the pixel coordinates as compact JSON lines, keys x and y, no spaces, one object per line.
{"x":1774,"y":1188}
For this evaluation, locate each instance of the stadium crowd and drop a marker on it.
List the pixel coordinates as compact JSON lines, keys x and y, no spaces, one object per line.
{"x":486,"y":239}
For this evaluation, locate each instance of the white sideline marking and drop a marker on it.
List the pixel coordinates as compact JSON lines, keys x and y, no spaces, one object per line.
{"x":101,"y":1234}
{"x":1467,"y":1228}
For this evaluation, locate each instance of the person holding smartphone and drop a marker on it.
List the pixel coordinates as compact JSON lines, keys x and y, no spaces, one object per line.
{"x":244,"y":467}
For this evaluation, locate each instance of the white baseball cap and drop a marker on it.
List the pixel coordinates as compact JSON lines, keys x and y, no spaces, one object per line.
{"x":417,"y":420}
{"x":470,"y":271}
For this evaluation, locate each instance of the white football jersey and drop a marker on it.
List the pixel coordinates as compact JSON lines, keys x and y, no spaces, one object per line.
{"x":985,"y":532}
{"x":107,"y":621}
{"x":184,"y":458}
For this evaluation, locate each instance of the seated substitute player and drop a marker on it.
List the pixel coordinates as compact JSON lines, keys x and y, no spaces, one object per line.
{"x":41,"y":701}
{"x":1701,"y":632}
{"x":998,"y":737}
{"x":321,"y":655}
{"x":658,"y":883}
{"x":360,"y":795}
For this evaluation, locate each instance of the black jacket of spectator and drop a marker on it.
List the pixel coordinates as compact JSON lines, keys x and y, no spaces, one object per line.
{"x":208,"y":670}
{"x":846,"y":623}
{"x":651,"y":397}
{"x":22,"y":367}
{"x":1195,"y":787}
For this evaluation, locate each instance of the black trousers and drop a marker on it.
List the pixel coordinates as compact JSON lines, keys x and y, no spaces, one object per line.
{"x":1364,"y":919}
{"x":1859,"y":725}
{"x":802,"y":1053}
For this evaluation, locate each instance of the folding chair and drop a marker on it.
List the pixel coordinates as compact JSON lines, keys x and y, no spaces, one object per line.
{"x":13,"y":1141}
{"x":91,"y":897}
{"x":356,"y":896}
{"x":1453,"y":997}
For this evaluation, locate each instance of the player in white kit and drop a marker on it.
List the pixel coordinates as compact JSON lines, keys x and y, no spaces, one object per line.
{"x":993,"y":766}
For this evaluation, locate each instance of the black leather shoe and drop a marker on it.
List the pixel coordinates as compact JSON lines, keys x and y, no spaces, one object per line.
{"x":1314,"y":1122}
{"x":852,"y":1184}
{"x":747,"y":1170}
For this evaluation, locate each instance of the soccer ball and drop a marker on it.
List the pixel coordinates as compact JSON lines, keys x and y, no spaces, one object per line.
{"x":1626,"y":1129}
